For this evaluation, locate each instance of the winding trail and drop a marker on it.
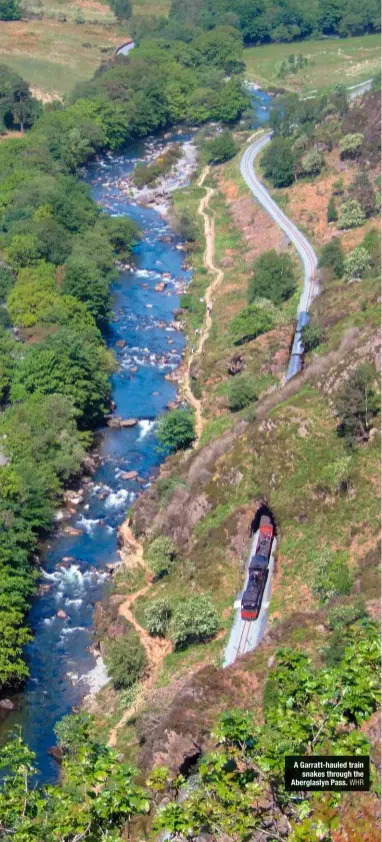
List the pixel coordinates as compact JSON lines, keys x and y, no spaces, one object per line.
{"x":156,"y":648}
{"x":208,"y":262}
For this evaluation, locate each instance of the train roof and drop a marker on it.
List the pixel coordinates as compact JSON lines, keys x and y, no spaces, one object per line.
{"x":303,"y":319}
{"x":259,"y":562}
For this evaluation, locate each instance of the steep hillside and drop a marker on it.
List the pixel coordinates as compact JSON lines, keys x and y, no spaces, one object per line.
{"x":309,"y":450}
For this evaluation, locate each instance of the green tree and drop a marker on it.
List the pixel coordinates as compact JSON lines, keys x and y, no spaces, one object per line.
{"x":332,"y":257}
{"x":311,"y":163}
{"x":221,"y":148}
{"x":23,"y":251}
{"x":28,"y":435}
{"x":252,"y":321}
{"x":6,"y":281}
{"x":356,"y":263}
{"x":350,"y":145}
{"x":9,"y":353}
{"x":95,"y":799}
{"x":123,"y":233}
{"x":67,"y":365}
{"x":157,"y":616}
{"x":194,"y":620}
{"x":351,"y":215}
{"x":331,"y":575}
{"x":357,"y":405}
{"x":274,"y":278}
{"x":161,"y":555}
{"x":332,"y":214}
{"x":242,"y":392}
{"x":278,"y":162}
{"x":73,"y":731}
{"x":176,"y":430}
{"x":125,"y":659}
{"x":122,"y":9}
{"x":10,"y":10}
{"x":84,"y":280}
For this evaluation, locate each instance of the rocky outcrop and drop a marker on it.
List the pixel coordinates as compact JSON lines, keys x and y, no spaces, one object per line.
{"x":178,"y":752}
{"x":236,"y":364}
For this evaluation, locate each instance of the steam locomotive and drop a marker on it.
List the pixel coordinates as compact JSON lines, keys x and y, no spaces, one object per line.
{"x":258,"y":571}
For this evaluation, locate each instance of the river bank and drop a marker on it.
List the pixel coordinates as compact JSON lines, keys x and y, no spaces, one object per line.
{"x":77,"y":559}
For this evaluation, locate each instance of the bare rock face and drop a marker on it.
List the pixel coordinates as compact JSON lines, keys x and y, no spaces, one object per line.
{"x":178,"y":752}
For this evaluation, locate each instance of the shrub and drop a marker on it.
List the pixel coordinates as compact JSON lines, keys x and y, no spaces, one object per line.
{"x":356,"y":263}
{"x":221,"y":148}
{"x":274,"y":277}
{"x":254,"y":320}
{"x":345,"y":615}
{"x":311,"y":163}
{"x":331,"y":576}
{"x":160,"y":556}
{"x":352,"y":215}
{"x":363,"y":192}
{"x":350,"y":144}
{"x":332,"y":214}
{"x":242,"y":392}
{"x":176,"y":430}
{"x":157,"y":617}
{"x":125,"y":660}
{"x":278,"y":162}
{"x":311,"y":336}
{"x":194,"y":621}
{"x":73,"y":730}
{"x":332,"y":257}
{"x":356,"y":404}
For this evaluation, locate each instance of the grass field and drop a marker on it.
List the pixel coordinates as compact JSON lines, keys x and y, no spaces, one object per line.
{"x":54,"y":56}
{"x":52,"y":53}
{"x":349,"y":60}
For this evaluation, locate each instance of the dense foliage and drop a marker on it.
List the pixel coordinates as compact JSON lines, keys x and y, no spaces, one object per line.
{"x":357,"y":404}
{"x":10,"y":10}
{"x":259,"y":23}
{"x":95,"y":799}
{"x":306,"y":710}
{"x":221,"y":148}
{"x":157,"y":616}
{"x":125,"y":660}
{"x":18,"y":108}
{"x":160,"y":555}
{"x":274,"y":278}
{"x":58,"y":262}
{"x":176,"y":430}
{"x":194,"y":620}
{"x":242,"y":392}
{"x":252,"y":321}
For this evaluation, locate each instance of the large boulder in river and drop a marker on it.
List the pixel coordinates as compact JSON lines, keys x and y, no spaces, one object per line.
{"x":128,"y":422}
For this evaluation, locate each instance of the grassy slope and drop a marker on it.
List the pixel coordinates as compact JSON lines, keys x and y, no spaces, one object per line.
{"x":53,"y":55}
{"x":349,"y":60}
{"x":287,"y":457}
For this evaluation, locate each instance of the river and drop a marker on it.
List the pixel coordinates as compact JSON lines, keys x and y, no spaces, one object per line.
{"x":62,"y":669}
